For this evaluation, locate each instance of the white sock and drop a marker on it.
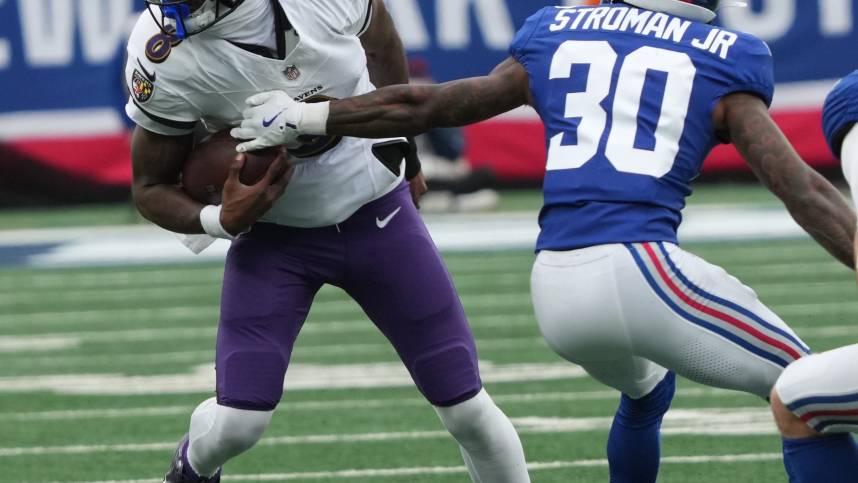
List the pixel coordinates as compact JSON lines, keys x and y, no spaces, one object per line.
{"x":490,"y":446}
{"x":219,"y":433}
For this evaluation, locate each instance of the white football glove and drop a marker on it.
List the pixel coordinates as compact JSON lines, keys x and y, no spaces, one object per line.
{"x":275,"y":119}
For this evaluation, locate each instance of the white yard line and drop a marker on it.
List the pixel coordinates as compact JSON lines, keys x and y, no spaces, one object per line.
{"x":501,"y":231}
{"x":200,"y":379}
{"x":340,"y":327}
{"x":450,"y":470}
{"x":337,"y":405}
{"x":65,"y":340}
{"x":342,"y":307}
{"x":503,"y":302}
{"x":16,"y":344}
{"x":302,"y":352}
{"x":208,"y":291}
{"x":710,"y":421}
{"x":193,"y":277}
{"x":505,"y":282}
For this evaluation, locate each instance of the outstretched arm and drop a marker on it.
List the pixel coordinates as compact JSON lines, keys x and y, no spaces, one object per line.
{"x":409,"y":110}
{"x":811,"y":200}
{"x":403,"y":110}
{"x":849,"y":159}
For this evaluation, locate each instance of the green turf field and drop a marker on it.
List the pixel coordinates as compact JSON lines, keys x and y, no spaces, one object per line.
{"x":61,"y":329}
{"x":101,"y":367}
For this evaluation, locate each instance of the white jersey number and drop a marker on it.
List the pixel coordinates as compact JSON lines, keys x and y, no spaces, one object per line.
{"x":586,"y":106}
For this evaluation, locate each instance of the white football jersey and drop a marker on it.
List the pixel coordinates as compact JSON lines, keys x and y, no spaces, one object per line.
{"x":176,"y":85}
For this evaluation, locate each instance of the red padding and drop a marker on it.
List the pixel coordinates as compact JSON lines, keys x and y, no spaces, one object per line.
{"x":105,"y":159}
{"x":515,"y":149}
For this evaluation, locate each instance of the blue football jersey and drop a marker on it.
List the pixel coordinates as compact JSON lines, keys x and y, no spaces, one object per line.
{"x":841,"y":111}
{"x":626,"y":96}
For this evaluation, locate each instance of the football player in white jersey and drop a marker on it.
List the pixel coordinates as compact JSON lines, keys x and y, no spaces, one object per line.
{"x":815,"y":401}
{"x":346,"y":218}
{"x":633,"y":95}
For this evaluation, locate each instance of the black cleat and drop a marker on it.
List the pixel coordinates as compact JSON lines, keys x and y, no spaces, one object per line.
{"x":178,"y":473}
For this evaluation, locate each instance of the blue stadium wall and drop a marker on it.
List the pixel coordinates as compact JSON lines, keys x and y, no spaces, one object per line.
{"x":64,"y":137}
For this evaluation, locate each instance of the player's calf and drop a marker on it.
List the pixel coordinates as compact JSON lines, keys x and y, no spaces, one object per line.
{"x":217,"y":434}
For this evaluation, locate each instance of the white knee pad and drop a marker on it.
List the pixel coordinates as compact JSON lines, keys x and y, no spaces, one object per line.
{"x":489,"y":443}
{"x":469,"y":420}
{"x":219,"y":433}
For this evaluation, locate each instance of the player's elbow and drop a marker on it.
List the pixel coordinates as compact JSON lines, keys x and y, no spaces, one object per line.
{"x":145,"y":199}
{"x":139,"y":193}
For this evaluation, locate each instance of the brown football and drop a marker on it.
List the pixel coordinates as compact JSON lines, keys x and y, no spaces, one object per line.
{"x":207,"y":168}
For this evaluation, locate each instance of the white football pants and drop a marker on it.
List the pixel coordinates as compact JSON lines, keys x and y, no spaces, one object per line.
{"x":822,"y":390}
{"x":628,"y":313}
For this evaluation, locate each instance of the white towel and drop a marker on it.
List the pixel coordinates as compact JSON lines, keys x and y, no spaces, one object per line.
{"x":196,"y":243}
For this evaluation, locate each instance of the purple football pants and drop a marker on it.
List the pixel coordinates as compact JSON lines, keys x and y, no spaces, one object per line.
{"x":393,"y":271}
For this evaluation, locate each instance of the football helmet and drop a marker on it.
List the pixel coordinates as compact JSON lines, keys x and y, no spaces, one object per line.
{"x":699,"y":10}
{"x":183,"y":18}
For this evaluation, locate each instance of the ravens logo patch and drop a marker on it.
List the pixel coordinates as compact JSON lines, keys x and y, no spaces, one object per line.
{"x":141,"y":87}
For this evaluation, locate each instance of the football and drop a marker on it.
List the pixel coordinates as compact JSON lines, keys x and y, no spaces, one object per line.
{"x":207,"y":168}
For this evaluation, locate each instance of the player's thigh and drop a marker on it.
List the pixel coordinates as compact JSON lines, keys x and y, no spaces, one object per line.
{"x":634,"y":376}
{"x":402,"y":284}
{"x":264,"y":302}
{"x":577,"y":304}
{"x":822,"y":390}
{"x":691,"y":316}
{"x":579,"y":311}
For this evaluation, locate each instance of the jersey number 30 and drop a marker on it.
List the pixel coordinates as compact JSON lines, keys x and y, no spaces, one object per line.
{"x":627,"y":117}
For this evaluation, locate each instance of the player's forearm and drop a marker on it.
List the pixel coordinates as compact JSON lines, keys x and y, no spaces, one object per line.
{"x":392,"y":111}
{"x":826,"y":216}
{"x":414,"y":109}
{"x":811,"y":200}
{"x":169,"y":207}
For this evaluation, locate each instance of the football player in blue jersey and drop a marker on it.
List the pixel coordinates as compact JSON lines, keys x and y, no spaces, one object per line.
{"x":633,"y":96}
{"x":815,"y":400}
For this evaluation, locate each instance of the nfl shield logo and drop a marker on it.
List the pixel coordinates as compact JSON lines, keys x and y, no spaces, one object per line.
{"x":292,"y":72}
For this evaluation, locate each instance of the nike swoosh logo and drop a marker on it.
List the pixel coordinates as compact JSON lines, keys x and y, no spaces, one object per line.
{"x":269,"y":122}
{"x":149,"y":76}
{"x":383,"y":223}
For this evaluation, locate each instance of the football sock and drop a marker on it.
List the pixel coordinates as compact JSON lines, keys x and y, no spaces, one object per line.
{"x":634,"y":444}
{"x":490,"y":446}
{"x":832,"y":459}
{"x":219,"y":433}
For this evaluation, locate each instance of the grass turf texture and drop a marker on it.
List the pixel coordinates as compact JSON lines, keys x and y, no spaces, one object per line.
{"x":160,"y":320}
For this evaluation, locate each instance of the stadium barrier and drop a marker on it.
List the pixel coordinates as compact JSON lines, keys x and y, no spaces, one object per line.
{"x":64,"y":137}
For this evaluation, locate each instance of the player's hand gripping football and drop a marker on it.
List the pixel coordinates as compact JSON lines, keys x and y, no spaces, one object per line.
{"x":243,"y":205}
{"x":275,"y":119}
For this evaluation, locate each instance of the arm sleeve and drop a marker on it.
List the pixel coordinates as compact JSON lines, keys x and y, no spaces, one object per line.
{"x":752,"y":70}
{"x":518,"y":47}
{"x":840,"y":112}
{"x":152,"y":106}
{"x":850,"y":161}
